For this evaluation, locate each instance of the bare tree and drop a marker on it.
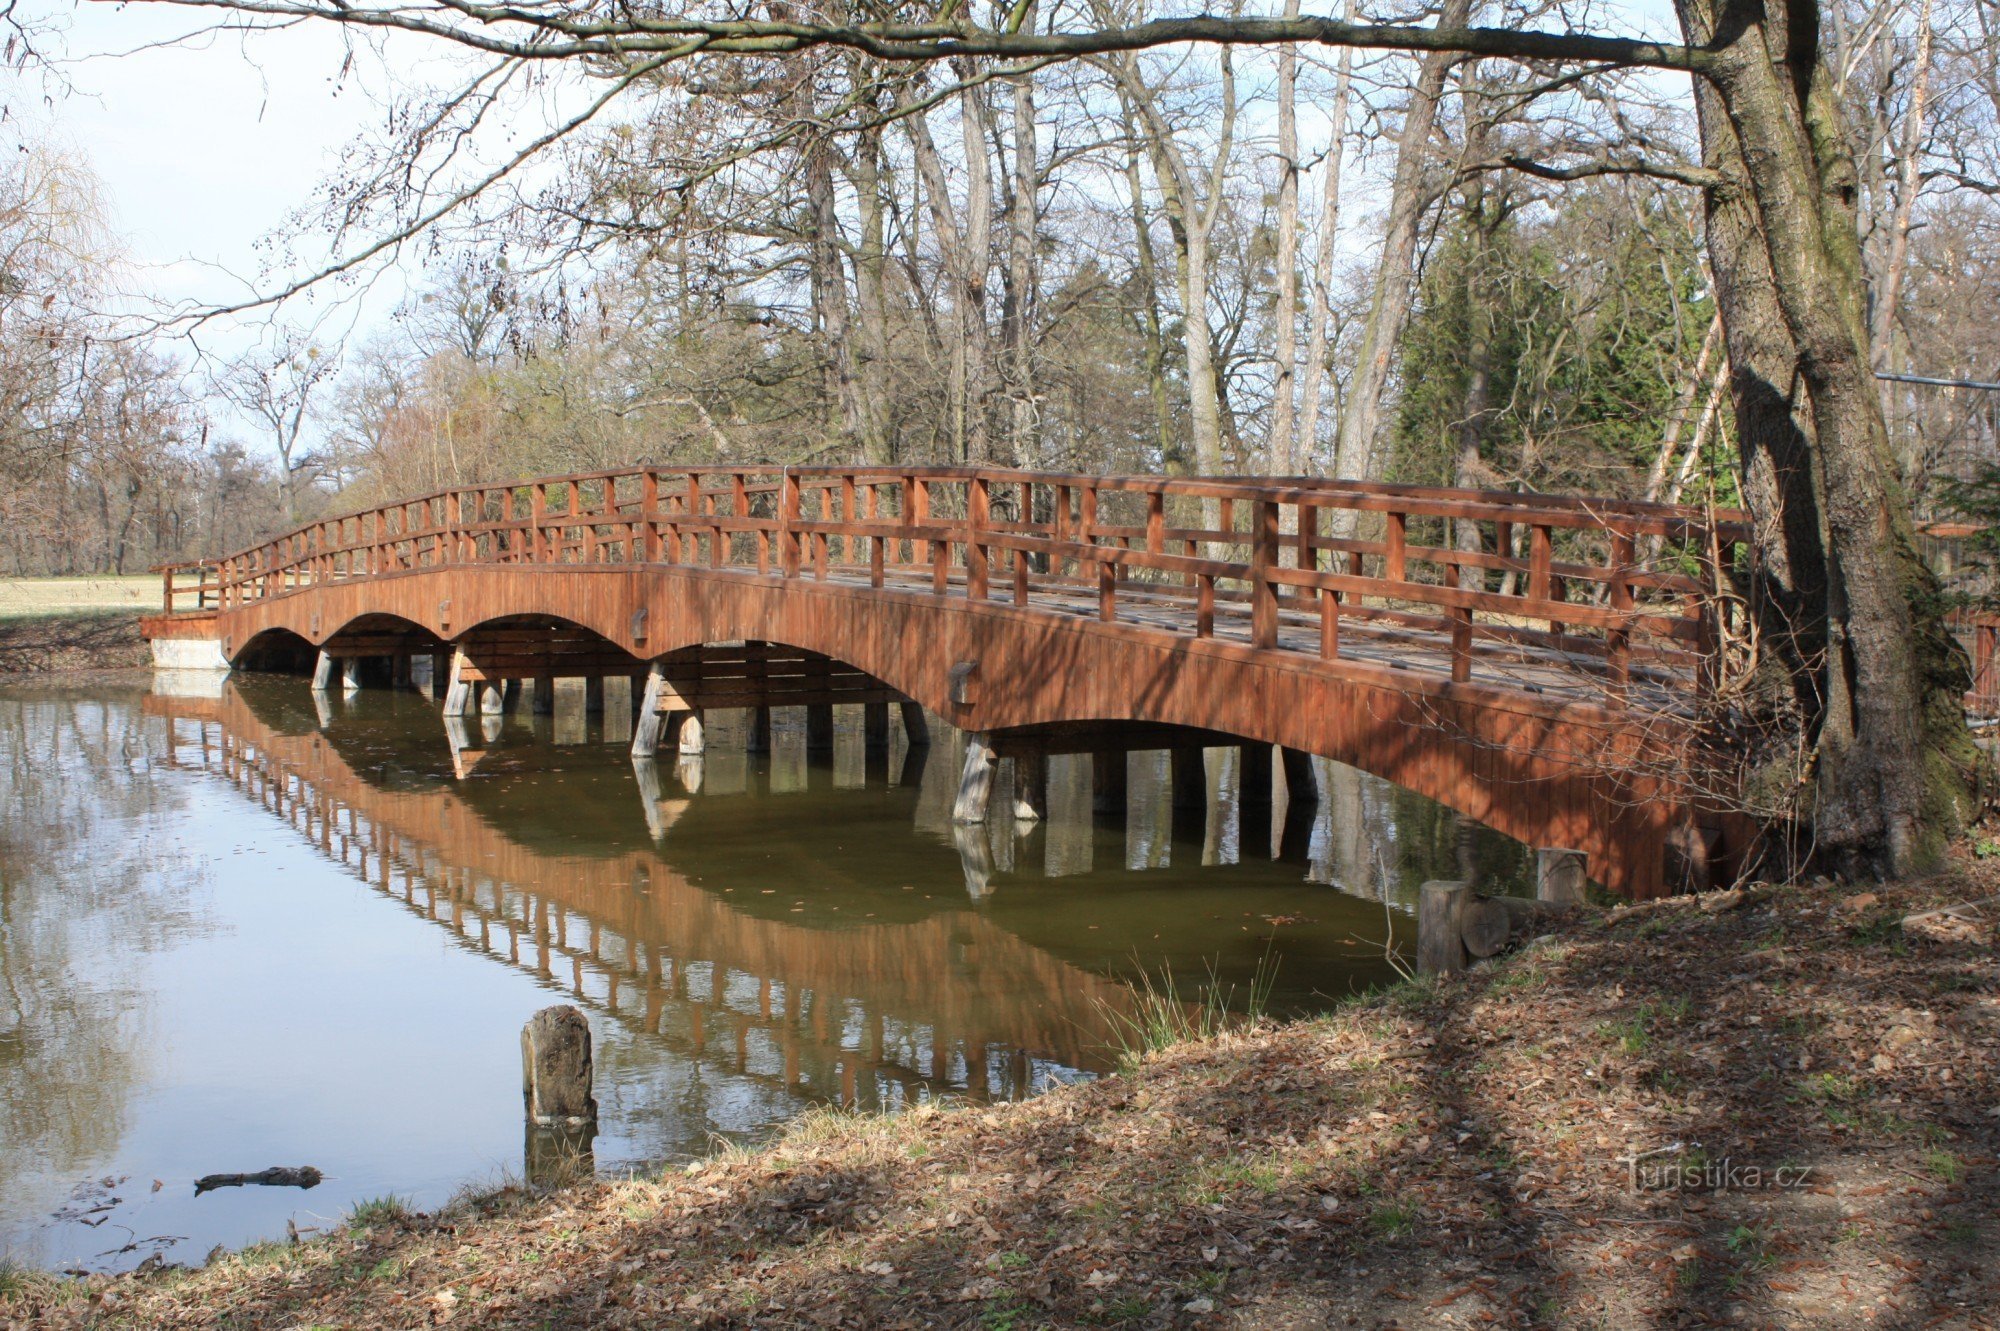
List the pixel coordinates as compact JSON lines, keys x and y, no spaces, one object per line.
{"x":274,"y":386}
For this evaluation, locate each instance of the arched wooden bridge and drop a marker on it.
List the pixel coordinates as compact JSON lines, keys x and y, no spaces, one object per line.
{"x":1537,"y":663}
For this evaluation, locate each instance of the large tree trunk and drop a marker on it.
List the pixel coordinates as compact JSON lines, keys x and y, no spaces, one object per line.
{"x":1890,"y":755}
{"x":1152,"y":330}
{"x":1018,"y":314}
{"x":829,"y":295}
{"x":871,"y":261}
{"x":1191,"y":217}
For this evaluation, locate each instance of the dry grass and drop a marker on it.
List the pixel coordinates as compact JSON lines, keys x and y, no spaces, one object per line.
{"x":1447,"y":1153}
{"x":27,"y":598}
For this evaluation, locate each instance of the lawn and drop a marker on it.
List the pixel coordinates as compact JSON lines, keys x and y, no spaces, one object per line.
{"x":26,"y":598}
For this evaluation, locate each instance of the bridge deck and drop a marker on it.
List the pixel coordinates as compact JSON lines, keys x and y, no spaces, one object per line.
{"x":1555,"y":649}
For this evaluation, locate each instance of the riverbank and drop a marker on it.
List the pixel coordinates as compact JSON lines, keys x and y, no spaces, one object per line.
{"x":44,"y":643}
{"x":1818,"y":1081}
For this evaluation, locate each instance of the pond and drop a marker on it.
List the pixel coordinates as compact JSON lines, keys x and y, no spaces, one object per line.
{"x":246,"y":925}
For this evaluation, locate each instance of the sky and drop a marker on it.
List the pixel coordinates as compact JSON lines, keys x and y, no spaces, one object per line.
{"x":203,"y":150}
{"x":206,"y":148}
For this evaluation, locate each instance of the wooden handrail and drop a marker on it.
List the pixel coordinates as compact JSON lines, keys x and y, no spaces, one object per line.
{"x":1257,"y":552}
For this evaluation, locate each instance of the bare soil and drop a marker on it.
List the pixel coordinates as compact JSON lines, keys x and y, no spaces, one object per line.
{"x":49,"y":644}
{"x":1450,"y":1153}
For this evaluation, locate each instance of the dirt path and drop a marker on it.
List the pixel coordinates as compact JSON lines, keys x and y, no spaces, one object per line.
{"x":1450,"y":1154}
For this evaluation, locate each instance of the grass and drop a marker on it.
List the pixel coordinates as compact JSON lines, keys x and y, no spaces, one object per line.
{"x":1944,"y":1166}
{"x":1159,"y":1018}
{"x":1393,"y":1220}
{"x":387,"y":1209}
{"x":28,"y":598}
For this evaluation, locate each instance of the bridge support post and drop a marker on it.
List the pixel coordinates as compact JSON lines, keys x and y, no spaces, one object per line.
{"x":975,"y":782}
{"x":400,"y":672}
{"x":492,"y":698}
{"x":458,"y":689}
{"x":544,"y":703}
{"x":692,"y":739}
{"x":350,"y":674}
{"x":593,"y":695}
{"x":323,"y":671}
{"x":1108,"y":769}
{"x":440,"y":674}
{"x":1031,"y":787}
{"x":916,"y":730}
{"x":819,"y":727}
{"x":1253,"y":776}
{"x":759,"y":728}
{"x":875,"y":727}
{"x":510,"y":696}
{"x":1190,"y":779}
{"x":1560,"y":877}
{"x":646,"y":728}
{"x":1301,"y":781}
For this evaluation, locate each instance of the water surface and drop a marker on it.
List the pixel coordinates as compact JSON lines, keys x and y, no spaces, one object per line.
{"x":263,"y":928}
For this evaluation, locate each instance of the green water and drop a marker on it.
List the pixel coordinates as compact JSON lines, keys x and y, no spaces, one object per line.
{"x":263,"y":927}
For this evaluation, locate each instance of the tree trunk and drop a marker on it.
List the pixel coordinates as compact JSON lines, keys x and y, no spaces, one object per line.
{"x":1152,"y":331}
{"x":1395,"y":278}
{"x":1018,"y":318}
{"x":871,"y":295}
{"x":829,"y":296}
{"x":1891,"y":755}
{"x":1329,"y":227}
{"x":1284,"y":450}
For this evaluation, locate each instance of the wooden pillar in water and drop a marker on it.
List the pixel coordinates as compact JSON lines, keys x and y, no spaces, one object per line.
{"x":458,"y":699}
{"x":545,"y":695}
{"x":510,"y":696}
{"x":1031,"y":787}
{"x":399,"y":671}
{"x":1253,"y":776}
{"x":324,"y":670}
{"x":693,"y":738}
{"x":916,"y":730}
{"x":1301,"y":781}
{"x":875,"y":727}
{"x":819,"y":727}
{"x":350,"y":674}
{"x":1190,"y":779}
{"x":556,"y":1074}
{"x":1108,"y":769}
{"x":441,"y":674}
{"x":975,"y":782}
{"x":492,"y":697}
{"x":593,"y":695}
{"x":757,"y":730}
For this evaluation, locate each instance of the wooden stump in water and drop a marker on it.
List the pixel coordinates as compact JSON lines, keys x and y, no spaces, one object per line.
{"x":556,"y":1067}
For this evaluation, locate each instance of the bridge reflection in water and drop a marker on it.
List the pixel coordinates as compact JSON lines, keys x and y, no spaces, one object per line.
{"x":756,"y":932}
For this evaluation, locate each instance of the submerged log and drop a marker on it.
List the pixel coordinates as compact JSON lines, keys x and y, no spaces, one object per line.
{"x":299,"y":1176}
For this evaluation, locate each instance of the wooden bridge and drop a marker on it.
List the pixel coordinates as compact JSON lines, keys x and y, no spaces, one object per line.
{"x":1537,"y":663}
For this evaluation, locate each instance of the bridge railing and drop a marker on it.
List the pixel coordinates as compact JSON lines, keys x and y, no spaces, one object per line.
{"x":1620,"y":590}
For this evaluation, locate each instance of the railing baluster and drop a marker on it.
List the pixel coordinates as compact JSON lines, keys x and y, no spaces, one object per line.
{"x":1263,"y":557}
{"x":978,"y":511}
